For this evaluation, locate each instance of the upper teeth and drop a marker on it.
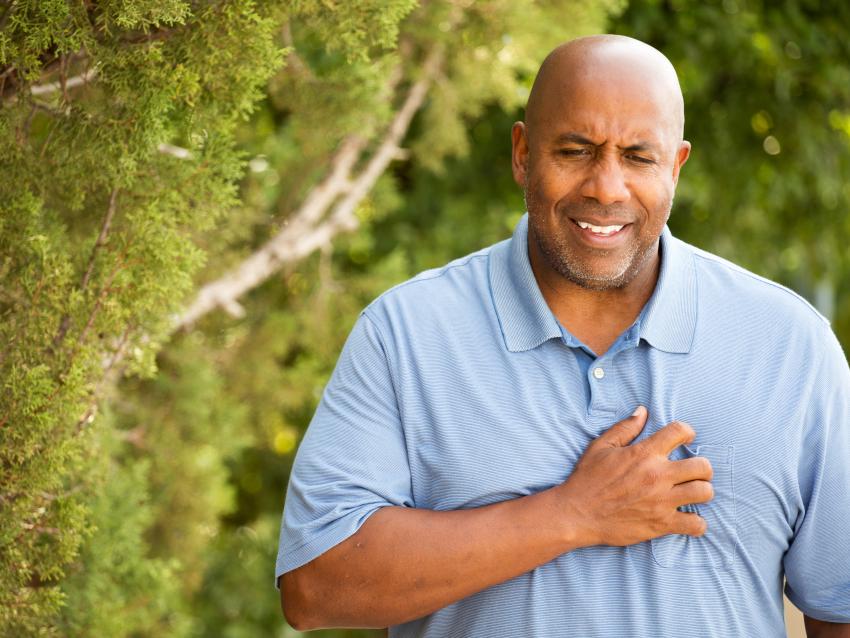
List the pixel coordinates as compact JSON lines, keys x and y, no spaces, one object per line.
{"x":602,"y":230}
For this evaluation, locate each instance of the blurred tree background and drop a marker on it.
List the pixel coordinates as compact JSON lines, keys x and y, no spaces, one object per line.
{"x":200,"y":196}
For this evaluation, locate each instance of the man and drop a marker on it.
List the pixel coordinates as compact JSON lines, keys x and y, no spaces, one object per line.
{"x":590,"y":429}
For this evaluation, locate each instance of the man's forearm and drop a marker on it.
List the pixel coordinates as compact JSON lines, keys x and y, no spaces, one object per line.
{"x":405,"y":563}
{"x":823,"y":629}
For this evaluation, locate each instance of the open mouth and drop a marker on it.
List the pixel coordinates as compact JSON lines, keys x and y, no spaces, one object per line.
{"x":599,"y":231}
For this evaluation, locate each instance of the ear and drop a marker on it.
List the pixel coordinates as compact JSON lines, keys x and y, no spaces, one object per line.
{"x":682,"y":156}
{"x":519,"y":153}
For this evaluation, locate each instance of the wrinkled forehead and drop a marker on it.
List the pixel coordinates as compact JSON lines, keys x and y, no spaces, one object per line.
{"x":607,"y":106}
{"x":620,"y":83}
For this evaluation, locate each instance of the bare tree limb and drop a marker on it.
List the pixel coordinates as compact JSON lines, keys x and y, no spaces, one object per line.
{"x":70,"y":83}
{"x":10,"y":94}
{"x":224,"y":292}
{"x":65,"y":324}
{"x":303,"y":233}
{"x":389,"y":148}
{"x":101,"y":238}
{"x":293,"y":59}
{"x":175,"y":151}
{"x":309,"y":228}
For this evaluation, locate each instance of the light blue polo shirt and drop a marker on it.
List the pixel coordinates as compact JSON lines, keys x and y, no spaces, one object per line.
{"x":459,"y":388}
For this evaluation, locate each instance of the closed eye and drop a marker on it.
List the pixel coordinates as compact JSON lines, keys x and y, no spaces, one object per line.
{"x":640,"y":159}
{"x":573,"y":152}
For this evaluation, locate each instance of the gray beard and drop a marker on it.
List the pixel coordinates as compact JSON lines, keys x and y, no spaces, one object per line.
{"x":560,"y":258}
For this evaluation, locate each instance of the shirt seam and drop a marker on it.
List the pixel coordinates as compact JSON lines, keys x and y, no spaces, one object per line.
{"x":330,"y":532}
{"x":395,"y":385}
{"x":421,"y":277}
{"x":696,"y":303}
{"x":393,"y":376}
{"x":719,"y":261}
{"x":812,"y":381}
{"x":814,"y":612}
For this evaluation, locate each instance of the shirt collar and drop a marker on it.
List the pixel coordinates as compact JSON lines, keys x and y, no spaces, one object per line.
{"x":526,"y":321}
{"x":524,"y":315}
{"x":671,"y":312}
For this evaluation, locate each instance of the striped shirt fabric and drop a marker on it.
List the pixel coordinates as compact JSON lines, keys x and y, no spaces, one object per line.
{"x":459,"y":388}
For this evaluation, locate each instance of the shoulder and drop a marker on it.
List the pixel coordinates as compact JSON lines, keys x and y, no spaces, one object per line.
{"x":460,"y":287}
{"x":755,"y":318}
{"x":732,"y":288}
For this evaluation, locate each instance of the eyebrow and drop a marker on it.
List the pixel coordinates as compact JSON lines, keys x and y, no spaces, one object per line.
{"x":576,"y":138}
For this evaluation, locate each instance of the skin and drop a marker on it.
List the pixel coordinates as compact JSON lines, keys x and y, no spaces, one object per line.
{"x":405,"y":563}
{"x":602,"y":142}
{"x":822,"y":629}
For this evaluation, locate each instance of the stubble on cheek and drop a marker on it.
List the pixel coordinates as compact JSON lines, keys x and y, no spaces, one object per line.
{"x":590,"y":268}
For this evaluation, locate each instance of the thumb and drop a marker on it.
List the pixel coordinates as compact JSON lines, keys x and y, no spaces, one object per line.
{"x":624,"y":432}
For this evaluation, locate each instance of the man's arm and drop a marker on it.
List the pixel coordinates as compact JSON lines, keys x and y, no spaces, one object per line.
{"x":404,"y":563}
{"x":822,"y":629}
{"x":817,"y":562}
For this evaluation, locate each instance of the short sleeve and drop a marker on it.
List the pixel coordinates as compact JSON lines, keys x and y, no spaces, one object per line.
{"x":817,"y":564}
{"x":352,"y":459}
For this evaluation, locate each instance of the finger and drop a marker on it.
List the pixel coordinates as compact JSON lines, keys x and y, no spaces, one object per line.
{"x":624,"y":432}
{"x":669,"y":437}
{"x":691,"y":492}
{"x":688,"y":523}
{"x":692,"y":469}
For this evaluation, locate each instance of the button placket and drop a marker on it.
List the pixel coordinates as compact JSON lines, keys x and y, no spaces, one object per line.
{"x":599,"y":399}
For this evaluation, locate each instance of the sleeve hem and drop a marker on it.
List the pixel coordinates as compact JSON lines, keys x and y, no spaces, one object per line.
{"x":289,"y":559}
{"x":826,"y":615}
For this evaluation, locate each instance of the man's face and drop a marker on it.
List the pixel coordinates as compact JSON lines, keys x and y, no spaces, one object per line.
{"x":599,"y":166}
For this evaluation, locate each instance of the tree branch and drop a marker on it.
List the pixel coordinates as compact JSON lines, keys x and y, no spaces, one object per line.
{"x":70,"y":83}
{"x":65,"y":324}
{"x":302,"y":233}
{"x":7,"y":12}
{"x":10,"y":95}
{"x":310,"y":227}
{"x":259,"y":266}
{"x":293,"y":59}
{"x":175,"y":151}
{"x":101,"y":238}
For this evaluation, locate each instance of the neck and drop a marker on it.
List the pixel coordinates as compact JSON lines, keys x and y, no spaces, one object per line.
{"x":596,"y":317}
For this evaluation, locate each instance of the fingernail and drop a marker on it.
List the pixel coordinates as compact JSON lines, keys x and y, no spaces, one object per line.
{"x":638,"y":410}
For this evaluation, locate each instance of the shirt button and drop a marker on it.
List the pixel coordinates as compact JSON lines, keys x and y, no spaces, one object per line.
{"x":598,"y":373}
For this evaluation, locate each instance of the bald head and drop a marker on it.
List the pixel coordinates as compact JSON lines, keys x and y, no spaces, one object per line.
{"x":616,"y":69}
{"x":601,"y":148}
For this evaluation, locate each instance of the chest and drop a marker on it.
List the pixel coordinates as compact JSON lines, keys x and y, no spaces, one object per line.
{"x":478,"y":436}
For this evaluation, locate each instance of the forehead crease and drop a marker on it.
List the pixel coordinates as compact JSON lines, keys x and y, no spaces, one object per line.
{"x":626,"y":134}
{"x":605,"y":76}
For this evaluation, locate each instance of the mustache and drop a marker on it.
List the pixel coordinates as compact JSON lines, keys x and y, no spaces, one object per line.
{"x":578,"y":210}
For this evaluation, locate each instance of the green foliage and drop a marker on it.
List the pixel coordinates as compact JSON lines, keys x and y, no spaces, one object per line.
{"x":277,"y":360}
{"x":767,"y":89}
{"x":183,"y":416}
{"x":456,"y":194}
{"x":97,"y":233}
{"x":239,"y":561}
{"x":116,"y":587}
{"x":353,"y":28}
{"x":160,"y":517}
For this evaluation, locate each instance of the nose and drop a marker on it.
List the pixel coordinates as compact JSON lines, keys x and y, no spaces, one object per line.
{"x":605,"y":182}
